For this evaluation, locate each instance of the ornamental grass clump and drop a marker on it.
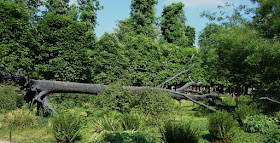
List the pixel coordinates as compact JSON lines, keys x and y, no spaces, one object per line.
{"x":66,"y":126}
{"x":108,"y":124}
{"x":131,"y":121}
{"x":178,"y":132}
{"x":222,"y":126}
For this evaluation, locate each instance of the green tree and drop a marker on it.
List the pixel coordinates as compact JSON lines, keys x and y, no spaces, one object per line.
{"x":108,"y":61}
{"x":173,"y":26}
{"x":87,"y":9}
{"x":245,"y":59}
{"x":213,"y":74}
{"x":141,"y":21}
{"x":62,"y":54}
{"x":17,"y":36}
{"x":267,"y":18}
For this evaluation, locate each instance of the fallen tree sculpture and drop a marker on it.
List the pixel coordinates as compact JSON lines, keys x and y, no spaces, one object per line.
{"x":37,"y":90}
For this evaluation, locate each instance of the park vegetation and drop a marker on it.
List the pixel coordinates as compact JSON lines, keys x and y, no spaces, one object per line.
{"x":238,"y":55}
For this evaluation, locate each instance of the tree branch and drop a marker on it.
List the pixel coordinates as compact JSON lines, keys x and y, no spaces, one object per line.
{"x":189,"y":98}
{"x":176,"y":76}
{"x":181,"y":89}
{"x":263,"y":98}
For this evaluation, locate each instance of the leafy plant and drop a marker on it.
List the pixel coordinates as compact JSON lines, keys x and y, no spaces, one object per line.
{"x":274,"y":137}
{"x":221,"y":126}
{"x":259,"y":123}
{"x":178,"y":132}
{"x":124,"y":137}
{"x":244,"y":111}
{"x":20,"y":118}
{"x":66,"y":126}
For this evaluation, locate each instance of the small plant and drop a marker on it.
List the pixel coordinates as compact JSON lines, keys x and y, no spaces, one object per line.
{"x":244,"y":111}
{"x":221,"y":126}
{"x":131,"y":121}
{"x":274,"y":137}
{"x":107,"y":124}
{"x":178,"y":132}
{"x":20,"y":118}
{"x":259,"y":123}
{"x":66,"y":126}
{"x":277,"y":117}
{"x":124,"y":137}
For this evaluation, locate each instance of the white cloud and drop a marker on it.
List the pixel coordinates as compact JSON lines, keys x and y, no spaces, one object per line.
{"x":200,"y":3}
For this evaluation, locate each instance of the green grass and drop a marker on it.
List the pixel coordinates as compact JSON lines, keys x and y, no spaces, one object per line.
{"x":40,"y":134}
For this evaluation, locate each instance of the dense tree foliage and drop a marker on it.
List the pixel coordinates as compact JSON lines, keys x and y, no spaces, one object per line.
{"x":267,"y":18}
{"x":17,"y":39}
{"x":61,"y":54}
{"x":238,"y":55}
{"x":173,"y":26}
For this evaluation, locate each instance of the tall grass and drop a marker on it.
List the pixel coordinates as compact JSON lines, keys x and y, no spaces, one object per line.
{"x":20,"y":118}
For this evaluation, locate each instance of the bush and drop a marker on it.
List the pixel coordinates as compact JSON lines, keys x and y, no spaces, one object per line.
{"x":222,"y":126}
{"x":131,"y":121}
{"x":66,"y":127}
{"x":69,"y":100}
{"x":259,"y":123}
{"x":178,"y":132}
{"x":275,"y":136}
{"x":124,"y":137}
{"x":20,"y":118}
{"x":244,"y":111}
{"x":9,"y":100}
{"x":277,"y":116}
{"x":124,"y":100}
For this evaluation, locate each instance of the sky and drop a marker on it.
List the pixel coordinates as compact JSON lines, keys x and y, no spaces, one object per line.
{"x":115,"y":10}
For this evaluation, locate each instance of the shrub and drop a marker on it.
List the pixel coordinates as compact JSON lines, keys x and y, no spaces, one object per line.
{"x":259,"y":123}
{"x":178,"y":132}
{"x":274,"y":137}
{"x":9,"y":100}
{"x":221,"y":126}
{"x":20,"y":118}
{"x":69,"y":100}
{"x":277,"y":116}
{"x":131,"y":121}
{"x":244,"y":111}
{"x":66,"y":126}
{"x":124,"y":137}
{"x":124,"y":100}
